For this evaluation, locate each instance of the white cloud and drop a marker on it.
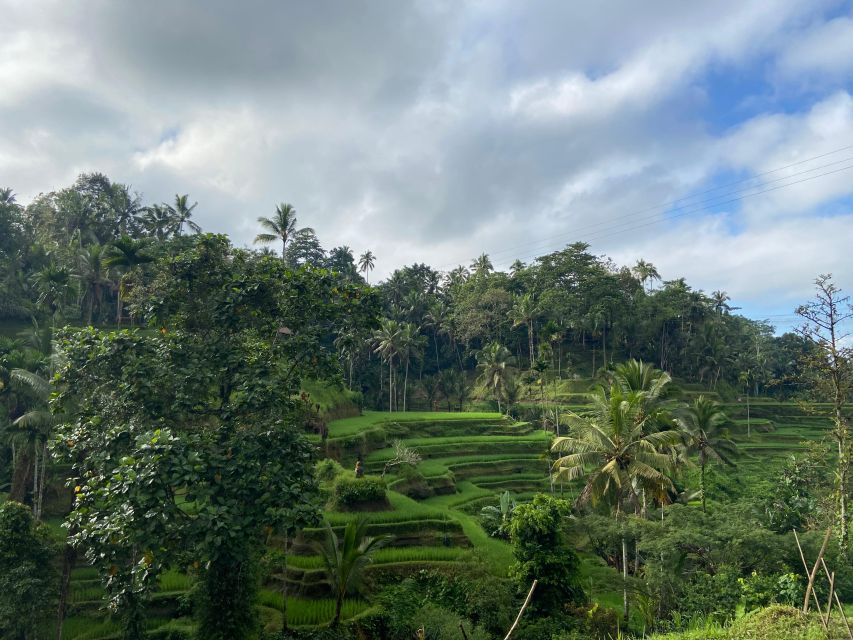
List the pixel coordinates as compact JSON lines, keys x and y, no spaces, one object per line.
{"x":433,"y":132}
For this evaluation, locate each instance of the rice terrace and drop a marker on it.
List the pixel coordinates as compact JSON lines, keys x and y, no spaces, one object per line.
{"x":394,"y":320}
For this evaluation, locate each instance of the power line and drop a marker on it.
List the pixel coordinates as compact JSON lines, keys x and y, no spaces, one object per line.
{"x":657,"y":219}
{"x":674,"y":202}
{"x":693,"y":207}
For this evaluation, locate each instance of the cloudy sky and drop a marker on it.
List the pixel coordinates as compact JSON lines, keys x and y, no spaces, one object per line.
{"x":714,"y":139}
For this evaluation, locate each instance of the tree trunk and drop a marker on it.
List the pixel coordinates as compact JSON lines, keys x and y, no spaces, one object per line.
{"x":21,"y":476}
{"x":338,"y":606}
{"x":406,"y":386}
{"x":69,"y":557}
{"x":625,"y":578}
{"x":284,"y":633}
{"x":702,"y":485}
{"x":390,"y":385}
{"x":530,"y":342}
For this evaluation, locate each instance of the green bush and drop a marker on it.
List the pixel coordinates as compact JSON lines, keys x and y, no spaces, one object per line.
{"x":351,"y":493}
{"x":328,"y":470}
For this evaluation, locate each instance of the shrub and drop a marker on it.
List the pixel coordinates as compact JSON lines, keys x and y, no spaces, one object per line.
{"x":328,"y":469}
{"x":352,"y":493}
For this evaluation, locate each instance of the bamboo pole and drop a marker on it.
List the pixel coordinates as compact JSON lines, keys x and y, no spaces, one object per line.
{"x":813,"y":573}
{"x":838,"y":603}
{"x":806,"y":567}
{"x":521,"y":611}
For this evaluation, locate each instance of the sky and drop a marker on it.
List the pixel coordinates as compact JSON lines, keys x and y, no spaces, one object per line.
{"x":714,"y":139}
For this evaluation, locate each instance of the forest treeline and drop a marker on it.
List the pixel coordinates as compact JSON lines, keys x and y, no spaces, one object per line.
{"x":75,"y":256}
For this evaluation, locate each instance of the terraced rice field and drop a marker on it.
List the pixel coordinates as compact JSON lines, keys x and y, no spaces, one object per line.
{"x":468,"y":459}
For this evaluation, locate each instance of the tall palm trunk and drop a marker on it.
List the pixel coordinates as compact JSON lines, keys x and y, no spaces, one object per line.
{"x":702,"y":484}
{"x":625,"y":577}
{"x":390,"y":385}
{"x":406,"y":385}
{"x":530,"y":341}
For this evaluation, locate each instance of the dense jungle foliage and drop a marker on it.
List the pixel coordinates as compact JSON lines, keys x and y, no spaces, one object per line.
{"x":201,"y":440}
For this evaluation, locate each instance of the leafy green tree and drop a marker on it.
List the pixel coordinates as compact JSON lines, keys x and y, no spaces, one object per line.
{"x":704,"y":427}
{"x":185,"y":441}
{"x":304,"y":248}
{"x":542,"y":553}
{"x":346,"y":558}
{"x":27,"y":576}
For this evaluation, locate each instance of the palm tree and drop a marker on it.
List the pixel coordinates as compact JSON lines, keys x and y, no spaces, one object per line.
{"x":366,"y":263}
{"x":410,"y":343}
{"x":346,"y":558}
{"x":349,"y":343}
{"x":524,"y":312}
{"x":720,"y":302}
{"x":705,"y":433}
{"x":52,"y":284}
{"x":645,"y":271}
{"x":159,"y":221}
{"x":92,"y":274}
{"x":494,"y":363}
{"x":33,"y":428}
{"x":611,"y":448}
{"x":387,"y":339}
{"x":183,"y":213}
{"x":282,"y":226}
{"x":125,"y":254}
{"x":482,"y":265}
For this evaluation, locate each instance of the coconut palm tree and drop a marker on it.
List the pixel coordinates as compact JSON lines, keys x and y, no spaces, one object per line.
{"x":32,"y":429}
{"x":125,"y":254}
{"x":495,"y":363}
{"x":410,"y":343}
{"x":182,"y":214}
{"x":92,"y":275}
{"x":524,"y":312}
{"x":159,"y":221}
{"x":482,"y":265}
{"x":281,"y":226}
{"x":345,"y":559}
{"x":704,"y":427}
{"x":645,"y":271}
{"x":611,"y":448}
{"x":366,"y":263}
{"x":52,"y":284}
{"x":387,"y":340}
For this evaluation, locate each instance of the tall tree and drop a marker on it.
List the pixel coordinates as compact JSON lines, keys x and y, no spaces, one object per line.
{"x":183,"y":212}
{"x":704,"y":424}
{"x":366,"y":263}
{"x":92,"y":274}
{"x":611,"y":448}
{"x":829,"y":367}
{"x":387,"y":341}
{"x":280,"y":227}
{"x":126,"y":254}
{"x":186,"y":440}
{"x":524,"y":312}
{"x":645,"y":272}
{"x":495,"y":363}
